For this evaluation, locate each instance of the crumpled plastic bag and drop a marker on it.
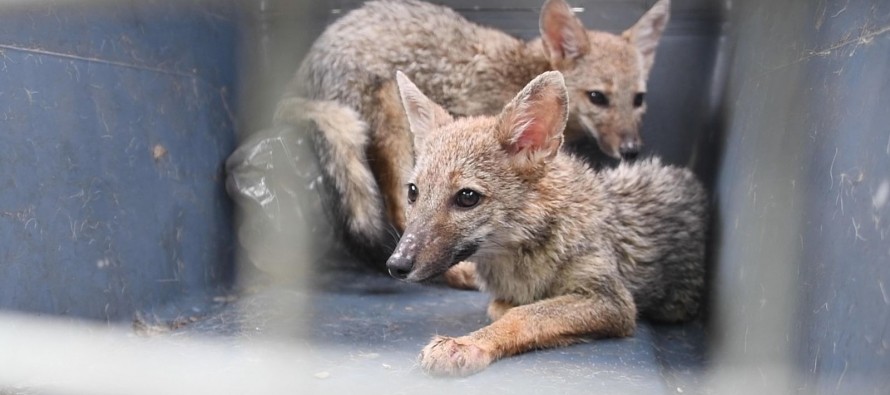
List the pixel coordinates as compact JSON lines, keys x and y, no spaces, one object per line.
{"x":274,"y":179}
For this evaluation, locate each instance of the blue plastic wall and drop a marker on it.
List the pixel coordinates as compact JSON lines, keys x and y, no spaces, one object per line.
{"x":114,"y":124}
{"x":802,"y":268}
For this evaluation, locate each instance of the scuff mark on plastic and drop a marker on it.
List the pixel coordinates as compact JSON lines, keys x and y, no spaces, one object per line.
{"x":879,"y":199}
{"x":30,"y":95}
{"x":856,"y":230}
{"x":95,"y":60}
{"x":831,"y":169}
{"x":158,"y":152}
{"x":224,"y":98}
{"x":841,"y":11}
{"x":863,"y":38}
{"x":884,"y":292}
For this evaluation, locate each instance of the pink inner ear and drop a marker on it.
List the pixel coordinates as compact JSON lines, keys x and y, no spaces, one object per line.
{"x":533,"y":137}
{"x":557,"y":32}
{"x":536,"y":133}
{"x":564,"y":35}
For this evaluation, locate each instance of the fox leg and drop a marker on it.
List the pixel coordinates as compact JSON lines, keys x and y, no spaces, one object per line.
{"x":551,"y":322}
{"x":462,"y":276}
{"x":497,"y":308}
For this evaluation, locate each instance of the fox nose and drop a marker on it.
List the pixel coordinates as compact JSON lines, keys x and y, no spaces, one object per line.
{"x":399,"y":266}
{"x":629,"y":150}
{"x":401,"y":263}
{"x":629,"y":155}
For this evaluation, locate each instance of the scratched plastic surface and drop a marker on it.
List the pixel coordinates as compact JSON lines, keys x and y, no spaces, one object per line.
{"x":115,"y":126}
{"x":364,"y":330}
{"x":802,"y":268}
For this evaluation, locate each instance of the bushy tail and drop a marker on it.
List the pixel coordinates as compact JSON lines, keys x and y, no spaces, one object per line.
{"x":353,"y":198}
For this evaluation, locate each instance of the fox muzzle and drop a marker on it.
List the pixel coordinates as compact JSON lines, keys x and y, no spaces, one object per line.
{"x":399,"y":268}
{"x":419,"y":257}
{"x":401,"y":262}
{"x":629,"y":149}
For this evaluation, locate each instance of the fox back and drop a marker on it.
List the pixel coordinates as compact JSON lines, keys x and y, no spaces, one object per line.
{"x":436,"y":46}
{"x":474,"y":70}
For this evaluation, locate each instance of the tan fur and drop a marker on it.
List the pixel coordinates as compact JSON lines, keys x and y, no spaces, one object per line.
{"x":462,"y":276}
{"x":552,"y":322}
{"x":497,"y":308}
{"x":565,"y":252}
{"x":391,"y":153}
{"x":347,"y":134}
{"x":470,"y":70}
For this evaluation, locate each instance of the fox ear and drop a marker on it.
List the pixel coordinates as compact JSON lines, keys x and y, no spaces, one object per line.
{"x":423,"y":114}
{"x":647,"y":31}
{"x":562,"y":33}
{"x":531,"y":126}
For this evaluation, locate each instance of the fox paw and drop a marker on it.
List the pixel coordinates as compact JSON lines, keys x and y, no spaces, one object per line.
{"x":462,"y":276}
{"x":446,"y":356}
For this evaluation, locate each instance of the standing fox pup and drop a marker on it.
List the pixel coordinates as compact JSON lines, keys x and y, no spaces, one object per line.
{"x":564,"y":251}
{"x":471,"y":70}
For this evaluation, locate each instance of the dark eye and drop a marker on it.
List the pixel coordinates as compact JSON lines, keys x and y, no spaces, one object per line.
{"x":467,"y":198}
{"x":412,"y":193}
{"x":598,"y":98}
{"x":638,"y":99}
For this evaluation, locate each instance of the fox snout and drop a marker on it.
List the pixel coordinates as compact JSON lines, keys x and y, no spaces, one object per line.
{"x":422,"y":255}
{"x":619,"y":140}
{"x":401,"y":262}
{"x":629,"y":148}
{"x":620,"y":143}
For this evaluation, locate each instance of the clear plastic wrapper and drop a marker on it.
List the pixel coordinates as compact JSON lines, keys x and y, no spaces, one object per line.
{"x":274,"y":179}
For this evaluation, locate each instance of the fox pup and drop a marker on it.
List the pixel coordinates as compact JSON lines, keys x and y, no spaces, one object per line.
{"x":564,"y":251}
{"x":471,"y":70}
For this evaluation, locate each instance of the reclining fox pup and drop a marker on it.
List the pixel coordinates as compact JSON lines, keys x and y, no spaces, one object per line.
{"x":565,"y":252}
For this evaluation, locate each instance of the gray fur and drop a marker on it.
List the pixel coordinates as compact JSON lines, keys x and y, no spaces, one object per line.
{"x":469,"y":70}
{"x":455,"y":62}
{"x":554,"y":226}
{"x":642,"y":223}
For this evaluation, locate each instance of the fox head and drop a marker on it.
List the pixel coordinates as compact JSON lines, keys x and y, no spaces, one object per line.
{"x":475,"y":180}
{"x":605,"y":73}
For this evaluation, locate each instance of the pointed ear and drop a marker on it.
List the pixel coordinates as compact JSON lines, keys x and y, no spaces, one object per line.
{"x":531,"y":126}
{"x":423,"y":114}
{"x":647,"y":31}
{"x":562,"y":33}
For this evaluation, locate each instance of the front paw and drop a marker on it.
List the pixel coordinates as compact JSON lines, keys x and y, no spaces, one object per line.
{"x":462,"y":276}
{"x":446,"y":356}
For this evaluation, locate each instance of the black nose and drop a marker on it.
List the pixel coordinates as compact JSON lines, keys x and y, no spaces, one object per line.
{"x":399,"y":268}
{"x":629,"y":154}
{"x":629,"y":148}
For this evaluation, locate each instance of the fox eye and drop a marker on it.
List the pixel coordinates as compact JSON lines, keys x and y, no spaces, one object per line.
{"x":638,"y":99}
{"x":412,"y":193}
{"x":467,"y":198}
{"x":598,"y":98}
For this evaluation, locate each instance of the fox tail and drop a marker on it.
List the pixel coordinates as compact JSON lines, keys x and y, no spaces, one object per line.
{"x":350,"y":192}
